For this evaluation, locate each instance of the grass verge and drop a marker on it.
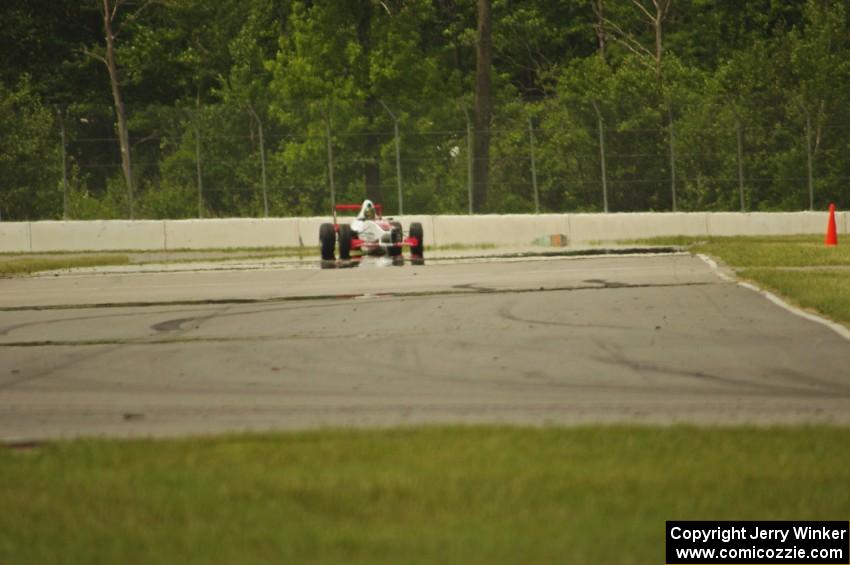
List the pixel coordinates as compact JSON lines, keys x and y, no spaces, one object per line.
{"x":28,"y":263}
{"x":800,"y":267}
{"x":23,"y":264}
{"x":823,"y":290}
{"x":11,"y":265}
{"x":458,"y":495}
{"x":774,"y":251}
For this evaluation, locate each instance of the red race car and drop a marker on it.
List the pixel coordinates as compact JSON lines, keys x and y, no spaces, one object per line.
{"x":370,"y":234}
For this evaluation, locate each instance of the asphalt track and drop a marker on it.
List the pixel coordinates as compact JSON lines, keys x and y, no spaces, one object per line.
{"x":655,"y":338}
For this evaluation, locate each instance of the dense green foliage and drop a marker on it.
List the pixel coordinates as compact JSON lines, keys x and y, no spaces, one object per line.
{"x":208,"y":84}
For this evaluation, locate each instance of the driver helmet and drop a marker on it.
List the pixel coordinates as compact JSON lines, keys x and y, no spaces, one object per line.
{"x":369,"y":210}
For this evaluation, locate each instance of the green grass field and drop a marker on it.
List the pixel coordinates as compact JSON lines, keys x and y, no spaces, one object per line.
{"x":457,"y":495}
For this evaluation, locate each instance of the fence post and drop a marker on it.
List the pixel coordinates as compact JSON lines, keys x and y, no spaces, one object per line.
{"x":130,"y":190}
{"x":330,"y":163}
{"x":198,"y":166}
{"x":809,"y":157}
{"x":468,"y":157}
{"x":533,"y":166}
{"x":397,"y":158}
{"x":600,"y":127}
{"x":672,"y":155}
{"x":64,"y":165}
{"x":262,"y":161}
{"x":739,"y":137}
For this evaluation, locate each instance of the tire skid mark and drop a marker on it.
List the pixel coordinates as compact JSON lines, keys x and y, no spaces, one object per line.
{"x":7,"y":329}
{"x":506,"y":312}
{"x":617,"y":357}
{"x":75,"y":359}
{"x":175,"y":326}
{"x":179,"y":324}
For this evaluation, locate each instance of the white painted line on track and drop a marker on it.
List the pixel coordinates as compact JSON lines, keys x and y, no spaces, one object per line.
{"x":834,"y":326}
{"x":713,"y":264}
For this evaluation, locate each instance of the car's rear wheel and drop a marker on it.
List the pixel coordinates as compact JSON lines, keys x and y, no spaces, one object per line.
{"x":395,"y":237}
{"x":417,"y":232}
{"x":344,"y":241}
{"x":327,"y":237}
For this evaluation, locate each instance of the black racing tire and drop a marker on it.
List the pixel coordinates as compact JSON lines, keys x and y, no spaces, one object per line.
{"x":396,"y":236}
{"x":345,"y":242}
{"x":417,"y":232}
{"x":327,"y":237}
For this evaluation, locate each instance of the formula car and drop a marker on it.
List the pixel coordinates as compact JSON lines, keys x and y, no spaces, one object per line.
{"x":369,"y":233}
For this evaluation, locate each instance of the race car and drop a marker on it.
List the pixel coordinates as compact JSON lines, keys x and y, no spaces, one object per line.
{"x":369,"y":233}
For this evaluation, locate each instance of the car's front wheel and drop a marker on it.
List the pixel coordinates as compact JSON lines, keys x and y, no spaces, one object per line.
{"x":327,"y":237}
{"x":417,"y":232}
{"x":344,"y":242}
{"x":395,"y":237}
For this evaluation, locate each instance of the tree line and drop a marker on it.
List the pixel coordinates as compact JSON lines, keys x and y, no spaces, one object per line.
{"x":188,"y":108}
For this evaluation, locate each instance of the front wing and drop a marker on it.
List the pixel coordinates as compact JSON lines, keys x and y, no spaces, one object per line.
{"x":363,"y":245}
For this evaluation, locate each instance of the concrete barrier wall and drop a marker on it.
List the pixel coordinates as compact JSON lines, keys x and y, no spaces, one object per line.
{"x":14,"y":237}
{"x":618,"y":227}
{"x":308,"y":230}
{"x":231,"y":233}
{"x":767,"y":223}
{"x":99,"y":235}
{"x":498,"y":230}
{"x":507,"y":230}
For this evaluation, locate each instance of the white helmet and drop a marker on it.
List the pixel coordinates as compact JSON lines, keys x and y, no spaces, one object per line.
{"x":367,"y":211}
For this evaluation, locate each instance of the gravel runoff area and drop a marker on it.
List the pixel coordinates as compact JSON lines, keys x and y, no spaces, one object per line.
{"x":544,"y":340}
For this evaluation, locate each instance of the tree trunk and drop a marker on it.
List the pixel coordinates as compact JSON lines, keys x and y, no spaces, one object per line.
{"x":372,"y":167}
{"x":659,"y":48}
{"x":601,"y":33}
{"x":112,"y":67}
{"x":483,"y":109}
{"x":371,"y":142}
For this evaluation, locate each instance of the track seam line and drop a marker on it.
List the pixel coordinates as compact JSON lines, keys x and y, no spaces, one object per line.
{"x":331,"y":297}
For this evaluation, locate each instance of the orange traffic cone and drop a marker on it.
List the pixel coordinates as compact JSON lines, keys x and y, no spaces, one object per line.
{"x":831,"y":236}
